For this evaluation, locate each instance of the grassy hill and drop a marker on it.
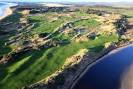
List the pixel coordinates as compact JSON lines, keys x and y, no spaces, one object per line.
{"x":60,"y":31}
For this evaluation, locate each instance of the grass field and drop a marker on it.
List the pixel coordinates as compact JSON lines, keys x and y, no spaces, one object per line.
{"x":33,"y":66}
{"x":89,"y":23}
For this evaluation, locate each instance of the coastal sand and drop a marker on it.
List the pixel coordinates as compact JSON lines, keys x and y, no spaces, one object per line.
{"x":7,"y":12}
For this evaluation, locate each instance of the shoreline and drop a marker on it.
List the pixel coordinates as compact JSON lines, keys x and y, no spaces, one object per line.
{"x":8,"y":11}
{"x":101,"y":56}
{"x":74,"y":78}
{"x":71,"y":74}
{"x":117,"y":49}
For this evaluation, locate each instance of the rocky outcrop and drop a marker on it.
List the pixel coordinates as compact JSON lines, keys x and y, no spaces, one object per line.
{"x":121,"y":25}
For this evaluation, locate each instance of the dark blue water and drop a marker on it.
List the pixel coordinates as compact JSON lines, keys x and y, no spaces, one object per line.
{"x":107,"y":73}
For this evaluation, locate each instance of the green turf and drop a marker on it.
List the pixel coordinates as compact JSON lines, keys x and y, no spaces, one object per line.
{"x":37,"y":65}
{"x":90,"y":23}
{"x":4,"y":49}
{"x":33,"y":66}
{"x":43,"y":24}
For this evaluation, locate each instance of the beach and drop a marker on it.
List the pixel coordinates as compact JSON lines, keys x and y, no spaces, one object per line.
{"x":6,"y":13}
{"x":5,"y":9}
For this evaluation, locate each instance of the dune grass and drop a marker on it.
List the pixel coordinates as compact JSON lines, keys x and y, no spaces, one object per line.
{"x":33,"y":66}
{"x":37,"y":65}
{"x":4,"y":49}
{"x":15,"y":17}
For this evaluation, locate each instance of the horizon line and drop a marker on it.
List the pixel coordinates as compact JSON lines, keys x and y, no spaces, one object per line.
{"x":71,"y":1}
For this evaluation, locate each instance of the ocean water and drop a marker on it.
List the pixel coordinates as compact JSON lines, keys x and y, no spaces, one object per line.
{"x":3,"y":6}
{"x":108,"y":73}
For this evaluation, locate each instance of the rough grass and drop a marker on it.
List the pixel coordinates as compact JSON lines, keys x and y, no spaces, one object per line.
{"x":4,"y":49}
{"x":36,"y":65}
{"x":43,"y":24}
{"x":13,"y":18}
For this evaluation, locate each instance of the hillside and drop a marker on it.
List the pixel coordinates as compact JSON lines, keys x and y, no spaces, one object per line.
{"x":40,"y":45}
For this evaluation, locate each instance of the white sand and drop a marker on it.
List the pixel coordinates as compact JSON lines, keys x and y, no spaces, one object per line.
{"x":7,"y":12}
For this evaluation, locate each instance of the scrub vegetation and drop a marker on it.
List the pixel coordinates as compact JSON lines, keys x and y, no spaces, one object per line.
{"x":51,"y":37}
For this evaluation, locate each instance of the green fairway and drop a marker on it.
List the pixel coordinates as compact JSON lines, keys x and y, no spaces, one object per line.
{"x":89,"y":23}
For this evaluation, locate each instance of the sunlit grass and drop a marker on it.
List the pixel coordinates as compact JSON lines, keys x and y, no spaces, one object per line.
{"x":33,"y":66}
